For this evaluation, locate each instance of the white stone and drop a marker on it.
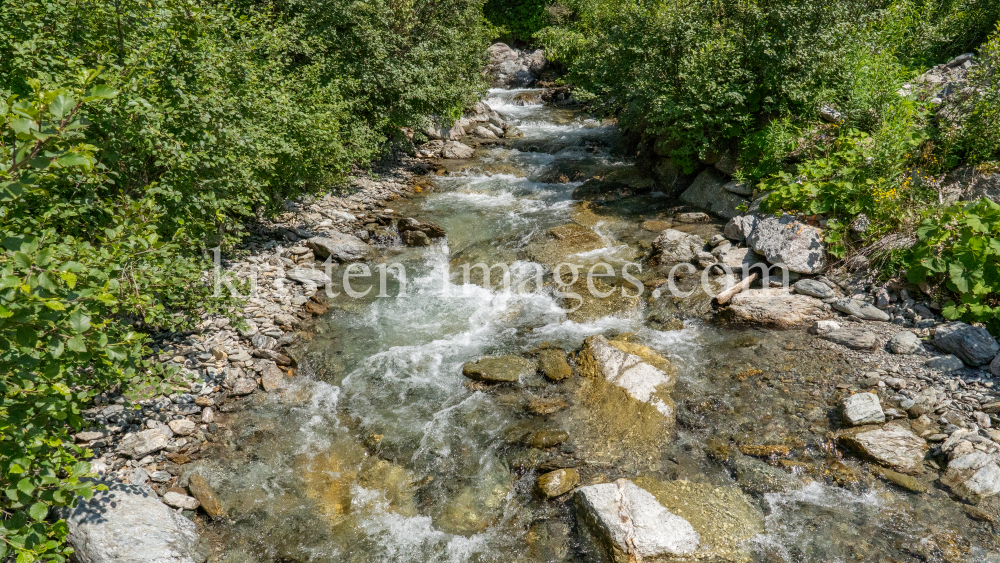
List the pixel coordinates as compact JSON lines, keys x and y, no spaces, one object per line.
{"x":634,"y":522}
{"x":974,"y":476}
{"x":905,"y":342}
{"x":824,"y":327}
{"x":140,"y":444}
{"x":182,"y":427}
{"x":128,"y":524}
{"x":776,"y":307}
{"x":178,"y":500}
{"x":863,"y":408}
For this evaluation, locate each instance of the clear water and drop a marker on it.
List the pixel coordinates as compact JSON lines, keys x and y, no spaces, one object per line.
{"x":383,"y":451}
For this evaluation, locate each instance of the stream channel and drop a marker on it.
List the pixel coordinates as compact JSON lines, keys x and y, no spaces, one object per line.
{"x":383,"y":451}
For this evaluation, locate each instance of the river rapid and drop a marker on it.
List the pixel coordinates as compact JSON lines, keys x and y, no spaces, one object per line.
{"x":383,"y":451}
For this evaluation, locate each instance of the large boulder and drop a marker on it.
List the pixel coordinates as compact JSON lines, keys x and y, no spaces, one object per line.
{"x":670,"y":178}
{"x":973,"y":345}
{"x":631,"y":525}
{"x":340,"y":247}
{"x":513,"y":68}
{"x":642,"y":381}
{"x":784,"y":240}
{"x":891,"y":445}
{"x":128,"y":524}
{"x":708,"y":191}
{"x":677,"y":246}
{"x":776,"y":307}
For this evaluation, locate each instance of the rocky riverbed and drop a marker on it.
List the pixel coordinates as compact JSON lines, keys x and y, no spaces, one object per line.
{"x":438,"y":417}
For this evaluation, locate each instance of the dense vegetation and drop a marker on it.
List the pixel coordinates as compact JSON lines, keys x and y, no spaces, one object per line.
{"x":750,"y":77}
{"x":136,"y":135}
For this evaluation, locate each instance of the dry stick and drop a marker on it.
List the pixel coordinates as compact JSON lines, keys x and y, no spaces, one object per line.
{"x":725,"y":296}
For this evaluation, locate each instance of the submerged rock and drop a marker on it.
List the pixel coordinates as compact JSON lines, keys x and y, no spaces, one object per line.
{"x":128,"y":524}
{"x":677,"y":246}
{"x":201,"y":490}
{"x":629,"y":523}
{"x":562,"y":242}
{"x":891,"y":445}
{"x":776,"y":308}
{"x":558,"y":482}
{"x":639,"y":379}
{"x":499,"y":369}
{"x":552,"y":363}
{"x":973,"y":345}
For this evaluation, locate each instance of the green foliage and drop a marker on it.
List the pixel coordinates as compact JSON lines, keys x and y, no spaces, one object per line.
{"x":959,"y":247}
{"x":517,"y":20}
{"x":971,"y":123}
{"x":112,"y":183}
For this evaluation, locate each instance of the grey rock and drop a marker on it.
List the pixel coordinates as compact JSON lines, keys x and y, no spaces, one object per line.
{"x":140,"y":444}
{"x":974,"y":476}
{"x":853,"y":339}
{"x":676,"y":246}
{"x":946,"y":364}
{"x":738,"y":188}
{"x":758,"y":478}
{"x":415,"y":238}
{"x":456,"y":150}
{"x":862,"y":408}
{"x":860,"y":309}
{"x":973,"y":345}
{"x":784,"y":240}
{"x":891,"y":445}
{"x":813,"y":288}
{"x":629,"y":520}
{"x":244,"y":386}
{"x":776,"y":307}
{"x":905,"y":343}
{"x":708,"y":191}
{"x":178,"y":500}
{"x":307,"y":276}
{"x":128,"y":524}
{"x":340,"y":247}
{"x":272,"y":378}
{"x":182,"y":427}
{"x":995,"y":366}
{"x":739,"y":227}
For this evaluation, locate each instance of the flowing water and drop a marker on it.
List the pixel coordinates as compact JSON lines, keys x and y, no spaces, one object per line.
{"x":384,"y":451}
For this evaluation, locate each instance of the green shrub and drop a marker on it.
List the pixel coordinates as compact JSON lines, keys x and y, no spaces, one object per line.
{"x":516,"y":20}
{"x":958,"y":250}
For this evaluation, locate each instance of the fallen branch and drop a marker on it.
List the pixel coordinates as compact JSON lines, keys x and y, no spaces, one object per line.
{"x":725,"y":296}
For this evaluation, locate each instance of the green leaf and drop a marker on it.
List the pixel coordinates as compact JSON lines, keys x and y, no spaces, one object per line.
{"x":79,"y":321}
{"x":25,"y":486}
{"x":38,"y":511}
{"x":61,"y":106}
{"x":77,"y":344}
{"x":22,"y":260}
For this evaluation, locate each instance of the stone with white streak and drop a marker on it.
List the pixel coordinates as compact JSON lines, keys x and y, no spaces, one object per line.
{"x":640,"y":380}
{"x":974,"y":476}
{"x":632,"y":525}
{"x":862,"y":408}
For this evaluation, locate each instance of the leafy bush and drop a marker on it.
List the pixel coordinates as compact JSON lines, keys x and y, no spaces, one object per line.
{"x":959,"y":248}
{"x":516,"y":20}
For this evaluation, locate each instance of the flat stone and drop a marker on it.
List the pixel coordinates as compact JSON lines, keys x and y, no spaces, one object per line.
{"x":853,"y":339}
{"x":862,"y":408}
{"x":946,"y":364}
{"x":892,"y":446}
{"x":814,"y":288}
{"x":128,"y":524}
{"x":140,"y":444}
{"x":307,"y":276}
{"x":201,"y":490}
{"x":860,"y":309}
{"x":784,"y":240}
{"x":499,"y":369}
{"x":340,"y":247}
{"x":905,"y":343}
{"x":558,"y":482}
{"x":639,"y":379}
{"x":631,"y":525}
{"x":182,"y":427}
{"x":973,"y":477}
{"x":552,"y":363}
{"x":973,"y":345}
{"x":177,"y":500}
{"x":776,"y":307}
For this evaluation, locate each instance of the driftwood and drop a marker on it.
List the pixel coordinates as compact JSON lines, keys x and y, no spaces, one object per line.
{"x":729,"y":293}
